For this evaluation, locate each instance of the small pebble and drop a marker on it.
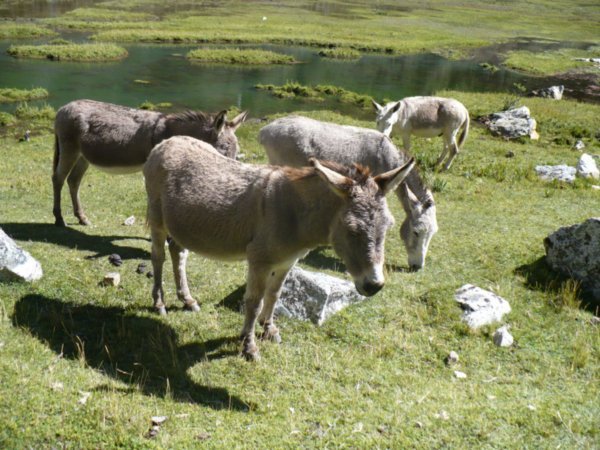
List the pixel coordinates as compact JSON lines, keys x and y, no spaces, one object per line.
{"x":129,"y":221}
{"x":510,"y":154}
{"x":460,"y":375}
{"x":141,"y":268}
{"x":452,"y":358}
{"x":111,"y":279}
{"x":149,"y":274}
{"x":502,"y":338}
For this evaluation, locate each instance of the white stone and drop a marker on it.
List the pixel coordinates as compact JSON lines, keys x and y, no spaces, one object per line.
{"x":452,"y":358}
{"x":587,"y":168}
{"x":460,"y":375}
{"x":129,"y":221}
{"x":579,"y":145}
{"x":17,"y":264}
{"x":561,"y":173}
{"x":554,"y":92}
{"x":314,"y":296}
{"x":513,"y":123}
{"x":111,"y":279}
{"x":481,"y":307}
{"x":502,"y":338}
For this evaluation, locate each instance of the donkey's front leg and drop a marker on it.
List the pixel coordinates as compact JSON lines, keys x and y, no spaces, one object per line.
{"x":274,"y":283}
{"x":179,"y":257}
{"x":255,"y":289}
{"x":158,"y":258}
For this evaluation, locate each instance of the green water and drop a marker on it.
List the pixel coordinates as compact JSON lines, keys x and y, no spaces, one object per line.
{"x":172,"y":78}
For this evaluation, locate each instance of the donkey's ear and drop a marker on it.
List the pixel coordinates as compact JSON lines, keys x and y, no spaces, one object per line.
{"x":237,"y":120}
{"x":410,"y":202}
{"x":220,"y":121}
{"x":337,"y":182}
{"x":396,"y":107}
{"x":390,"y":180}
{"x":376,"y":105}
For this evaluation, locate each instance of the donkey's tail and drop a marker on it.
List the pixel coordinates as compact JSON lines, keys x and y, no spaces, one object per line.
{"x":465,"y":132}
{"x":56,"y":154}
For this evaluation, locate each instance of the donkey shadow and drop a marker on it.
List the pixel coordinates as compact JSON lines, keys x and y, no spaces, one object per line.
{"x":140,"y":351}
{"x":318,"y":259}
{"x":74,"y":239}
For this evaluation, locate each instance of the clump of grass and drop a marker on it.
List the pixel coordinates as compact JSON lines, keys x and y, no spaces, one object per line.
{"x":69,"y":52}
{"x":22,"y":95}
{"x":149,"y":106}
{"x":339,"y":53}
{"x":567,"y":295}
{"x":34,"y":113}
{"x":109,"y":15}
{"x":7,"y":119}
{"x":60,"y":41}
{"x":317,"y":93}
{"x":239,"y":56}
{"x":489,"y":67}
{"x":23,"y":31}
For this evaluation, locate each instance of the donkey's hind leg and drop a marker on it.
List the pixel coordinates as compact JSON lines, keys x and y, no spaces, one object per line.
{"x":74,"y":181}
{"x":255,"y":289}
{"x":272,"y":291}
{"x":159,"y":237}
{"x":179,"y":257}
{"x":454,"y":150}
{"x":63,"y":164}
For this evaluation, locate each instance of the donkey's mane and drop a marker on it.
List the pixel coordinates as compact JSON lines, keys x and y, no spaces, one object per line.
{"x":192,"y":116}
{"x":356,"y":172}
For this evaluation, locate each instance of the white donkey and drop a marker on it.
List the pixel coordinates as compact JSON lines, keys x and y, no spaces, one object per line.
{"x":293,"y":140}
{"x":269,"y":215}
{"x":426,"y":117}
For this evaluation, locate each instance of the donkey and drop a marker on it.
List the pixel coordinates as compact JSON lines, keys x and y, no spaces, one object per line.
{"x":293,"y":140}
{"x":426,"y":117}
{"x":269,"y":215}
{"x":118,"y":139}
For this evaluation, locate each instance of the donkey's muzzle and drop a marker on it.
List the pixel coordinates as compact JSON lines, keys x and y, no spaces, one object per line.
{"x":370,"y":289}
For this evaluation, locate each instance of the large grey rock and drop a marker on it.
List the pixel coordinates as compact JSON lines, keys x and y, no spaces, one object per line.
{"x":561,"y":173}
{"x":587,"y":168}
{"x":575,"y":252}
{"x":16,"y":264}
{"x":480,"y":307}
{"x":513,"y":123}
{"x":314,"y":296}
{"x":554,"y":92}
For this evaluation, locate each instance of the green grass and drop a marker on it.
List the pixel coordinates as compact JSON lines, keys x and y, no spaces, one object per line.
{"x":238,"y":56}
{"x":295,"y":90}
{"x":552,"y":62}
{"x":10,"y":30}
{"x":373,"y":376}
{"x":21,"y":95}
{"x":69,"y":52}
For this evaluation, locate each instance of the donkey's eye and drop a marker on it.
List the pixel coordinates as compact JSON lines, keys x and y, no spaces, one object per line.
{"x":416,"y":233}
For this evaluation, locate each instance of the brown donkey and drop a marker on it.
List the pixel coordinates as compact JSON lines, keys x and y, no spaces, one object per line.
{"x":268,"y":215}
{"x":118,"y":139}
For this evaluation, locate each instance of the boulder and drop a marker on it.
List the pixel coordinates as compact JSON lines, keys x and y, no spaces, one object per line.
{"x":560,"y":173}
{"x":16,"y":264}
{"x":480,"y":307}
{"x":587,"y":168}
{"x":554,"y":92}
{"x":575,"y":252}
{"x":513,"y":123}
{"x":314,"y":296}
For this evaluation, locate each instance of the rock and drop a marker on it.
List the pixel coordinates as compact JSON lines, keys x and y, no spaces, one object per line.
{"x":587,"y":168}
{"x":451,"y":359}
{"x":574,"y":251}
{"x":481,"y":307}
{"x":579,"y":145}
{"x":460,"y":375}
{"x":554,"y":92}
{"x":141,"y":268}
{"x":115,"y":260}
{"x":129,"y":221}
{"x":111,"y":279}
{"x":158,"y":420}
{"x":502,"y":338}
{"x":314,"y":296}
{"x":510,"y":154}
{"x":561,"y":173}
{"x":17,"y":264}
{"x":512,"y":124}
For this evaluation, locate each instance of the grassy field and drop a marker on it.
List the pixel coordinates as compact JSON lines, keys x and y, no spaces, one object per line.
{"x":87,"y":366}
{"x":551,"y":62}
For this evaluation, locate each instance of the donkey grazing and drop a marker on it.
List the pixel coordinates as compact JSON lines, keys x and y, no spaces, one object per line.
{"x":269,"y":215}
{"x":293,"y":140}
{"x":426,"y":117}
{"x":118,"y":139}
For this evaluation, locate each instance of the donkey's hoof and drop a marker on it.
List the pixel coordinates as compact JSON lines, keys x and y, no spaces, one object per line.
{"x":84,"y":221}
{"x":193,"y":307}
{"x":251,"y":355}
{"x":161,"y":310}
{"x":271,"y":335}
{"x":60,"y":222}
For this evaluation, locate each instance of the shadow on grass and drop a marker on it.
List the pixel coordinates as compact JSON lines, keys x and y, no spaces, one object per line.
{"x":140,"y":351}
{"x":319,"y":260}
{"x":74,"y":239}
{"x":540,"y":276}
